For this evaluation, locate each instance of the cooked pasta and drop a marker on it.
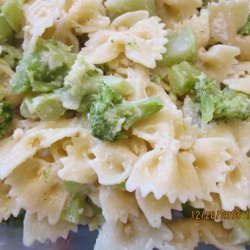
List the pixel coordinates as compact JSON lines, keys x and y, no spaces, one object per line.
{"x":131,"y":117}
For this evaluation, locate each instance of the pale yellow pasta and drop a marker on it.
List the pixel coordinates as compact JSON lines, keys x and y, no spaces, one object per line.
{"x":39,"y":190}
{"x":8,"y":205}
{"x":226,"y":18}
{"x":76,"y":165}
{"x":217,"y":62}
{"x":154,"y":210}
{"x":40,"y":15}
{"x":41,"y":230}
{"x":117,"y":204}
{"x":24,"y":144}
{"x":112,"y":162}
{"x":143,"y":43}
{"x":137,"y":234}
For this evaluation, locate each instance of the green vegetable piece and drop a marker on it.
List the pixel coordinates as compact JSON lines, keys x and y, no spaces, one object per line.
{"x":74,"y":207}
{"x":180,"y":47}
{"x":6,"y":33}
{"x":44,"y":69}
{"x":6,"y":115}
{"x":118,"y":7}
{"x":183,"y":77}
{"x":10,"y":54}
{"x":241,"y":229}
{"x":245,"y":30}
{"x":83,"y":80}
{"x":13,"y":13}
{"x":217,"y":104}
{"x":46,"y":107}
{"x":110,"y":115}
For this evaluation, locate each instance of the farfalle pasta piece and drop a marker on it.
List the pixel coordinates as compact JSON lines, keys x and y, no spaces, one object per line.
{"x":218,"y":60}
{"x":86,"y":16}
{"x":137,"y":234}
{"x":185,"y":8}
{"x":164,"y":171}
{"x":240,"y":78}
{"x":39,"y":190}
{"x":42,"y":231}
{"x":234,"y":192}
{"x":76,"y":165}
{"x":200,"y":26}
{"x":154,"y":210}
{"x":226,"y":18}
{"x":113,"y":162}
{"x":188,"y":233}
{"x":161,"y":126}
{"x":8,"y":205}
{"x":24,"y":144}
{"x":142,"y":43}
{"x":117,"y":204}
{"x":40,"y":15}
{"x":213,"y":164}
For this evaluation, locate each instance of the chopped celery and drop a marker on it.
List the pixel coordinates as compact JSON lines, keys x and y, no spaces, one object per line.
{"x":118,"y":7}
{"x":6,"y":33}
{"x":46,"y":107}
{"x":180,"y":47}
{"x":44,"y":69}
{"x":13,"y":13}
{"x":182,"y":77}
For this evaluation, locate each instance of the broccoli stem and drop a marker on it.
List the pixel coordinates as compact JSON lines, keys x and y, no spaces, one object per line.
{"x":136,"y":110}
{"x":13,"y":13}
{"x":6,"y":33}
{"x":181,"y":46}
{"x":182,"y":77}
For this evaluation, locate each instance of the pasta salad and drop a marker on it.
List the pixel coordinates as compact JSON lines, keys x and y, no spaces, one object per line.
{"x":118,"y":114}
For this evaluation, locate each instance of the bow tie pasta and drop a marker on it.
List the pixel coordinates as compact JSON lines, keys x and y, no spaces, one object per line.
{"x":130,"y":117}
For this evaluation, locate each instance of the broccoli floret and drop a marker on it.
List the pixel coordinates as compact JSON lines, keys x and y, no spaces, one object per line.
{"x":217,"y":104}
{"x":6,"y":114}
{"x":44,"y":69}
{"x":82,"y":81}
{"x":245,"y":30}
{"x":110,"y":115}
{"x":213,"y":102}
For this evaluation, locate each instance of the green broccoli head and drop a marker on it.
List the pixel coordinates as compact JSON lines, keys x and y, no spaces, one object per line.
{"x":44,"y":69}
{"x":245,"y":30}
{"x":217,"y":104}
{"x":6,"y":114}
{"x":110,"y":115}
